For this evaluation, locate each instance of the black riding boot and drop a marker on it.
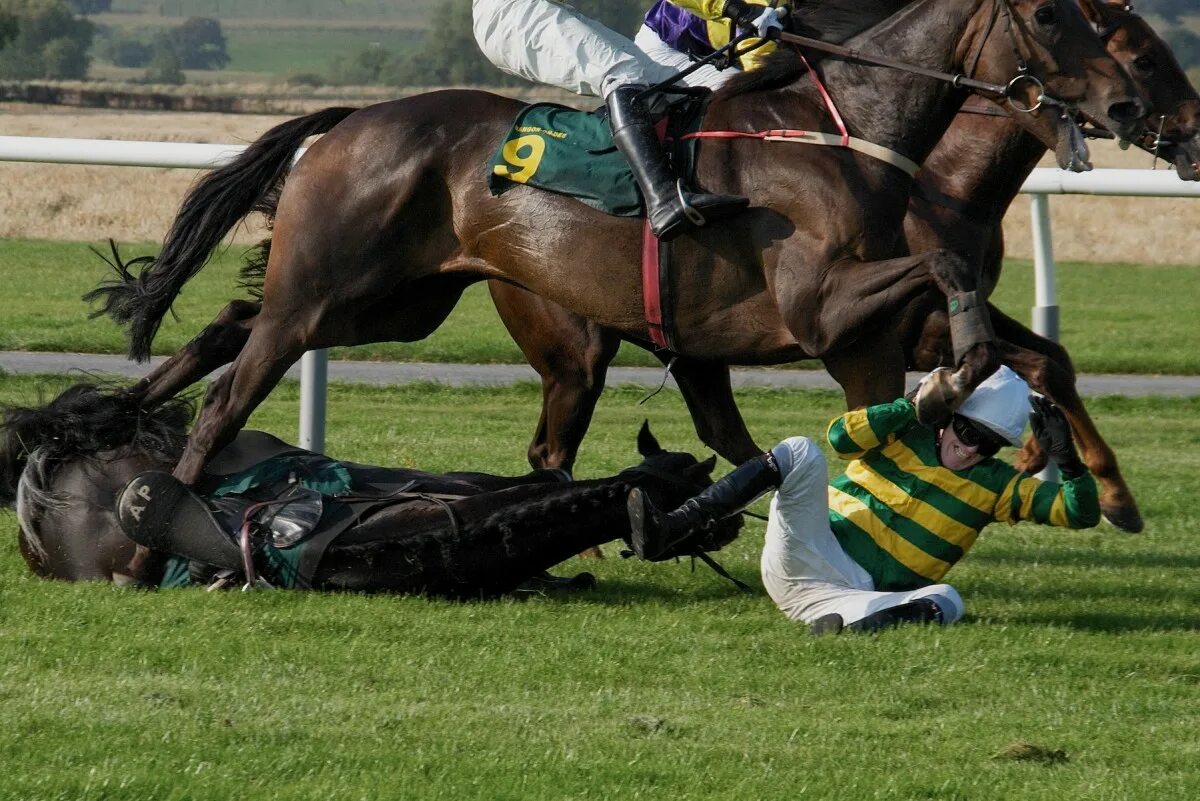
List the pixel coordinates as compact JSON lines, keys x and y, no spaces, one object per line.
{"x":671,"y":208}
{"x":655,"y":535}
{"x":158,"y":511}
{"x":922,"y":610}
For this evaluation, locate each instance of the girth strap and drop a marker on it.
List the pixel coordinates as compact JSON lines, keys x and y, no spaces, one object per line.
{"x":871,"y":149}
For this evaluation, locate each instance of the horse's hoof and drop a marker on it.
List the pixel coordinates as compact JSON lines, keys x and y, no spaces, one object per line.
{"x":127,"y":582}
{"x":936,"y":399}
{"x":1125,"y":517}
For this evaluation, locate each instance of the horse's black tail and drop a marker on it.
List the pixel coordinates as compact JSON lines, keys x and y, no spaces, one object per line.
{"x":210,"y":210}
{"x":86,"y":419}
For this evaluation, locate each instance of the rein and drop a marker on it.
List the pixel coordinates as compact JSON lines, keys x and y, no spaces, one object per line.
{"x":888,"y":156}
{"x":957,"y":80}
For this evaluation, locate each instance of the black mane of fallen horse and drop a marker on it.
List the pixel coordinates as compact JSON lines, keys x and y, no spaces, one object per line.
{"x":65,"y":463}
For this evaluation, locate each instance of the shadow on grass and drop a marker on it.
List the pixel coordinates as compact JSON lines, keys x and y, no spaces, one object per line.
{"x":1087,"y":558}
{"x":624,"y":592}
{"x":1110,"y":622}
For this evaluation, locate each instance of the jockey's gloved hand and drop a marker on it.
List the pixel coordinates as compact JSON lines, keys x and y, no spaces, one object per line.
{"x":763,"y":19}
{"x":1053,"y":433}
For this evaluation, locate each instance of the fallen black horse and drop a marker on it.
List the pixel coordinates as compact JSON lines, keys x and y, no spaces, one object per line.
{"x":458,"y":535}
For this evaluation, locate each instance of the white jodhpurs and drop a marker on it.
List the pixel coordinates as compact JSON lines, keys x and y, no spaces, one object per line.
{"x":804,"y":569}
{"x":544,"y":42}
{"x":662,"y":53}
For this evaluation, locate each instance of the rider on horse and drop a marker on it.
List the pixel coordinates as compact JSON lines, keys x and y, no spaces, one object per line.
{"x":548,"y":43}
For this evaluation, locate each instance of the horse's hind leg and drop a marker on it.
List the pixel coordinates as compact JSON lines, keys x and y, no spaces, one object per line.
{"x":218,"y":344}
{"x":1047,"y":368}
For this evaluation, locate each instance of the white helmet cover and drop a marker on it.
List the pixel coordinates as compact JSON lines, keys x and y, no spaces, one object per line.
{"x":1001,"y":403}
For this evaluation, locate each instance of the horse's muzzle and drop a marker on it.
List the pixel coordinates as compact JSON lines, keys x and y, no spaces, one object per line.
{"x":1127,"y":118}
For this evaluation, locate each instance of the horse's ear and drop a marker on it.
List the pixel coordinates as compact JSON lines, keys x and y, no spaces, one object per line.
{"x":647,"y":443}
{"x":702,"y":469}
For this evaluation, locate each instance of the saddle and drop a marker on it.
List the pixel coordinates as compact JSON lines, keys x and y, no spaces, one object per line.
{"x":569,"y":152}
{"x":297,"y":503}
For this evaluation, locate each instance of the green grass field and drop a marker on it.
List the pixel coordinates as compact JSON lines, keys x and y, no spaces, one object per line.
{"x":1115,"y":318}
{"x":661,"y":684}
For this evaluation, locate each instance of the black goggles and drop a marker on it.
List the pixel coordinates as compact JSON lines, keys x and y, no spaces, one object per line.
{"x":976,"y":436}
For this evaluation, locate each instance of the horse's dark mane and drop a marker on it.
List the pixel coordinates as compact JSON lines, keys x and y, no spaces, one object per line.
{"x":86,"y":419}
{"x":834,"y":21}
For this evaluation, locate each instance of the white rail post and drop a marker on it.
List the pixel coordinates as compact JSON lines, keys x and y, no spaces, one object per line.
{"x":1045,"y":296}
{"x":314,"y":379}
{"x":1045,"y":308}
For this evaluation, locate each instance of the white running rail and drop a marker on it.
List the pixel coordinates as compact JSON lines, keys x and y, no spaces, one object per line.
{"x":1040,"y":185}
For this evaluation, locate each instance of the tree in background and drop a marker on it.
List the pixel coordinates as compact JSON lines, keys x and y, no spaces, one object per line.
{"x":623,"y":16}
{"x":165,"y":65}
{"x":90,"y":6}
{"x":449,"y":56}
{"x":50,"y":41}
{"x":124,"y":50}
{"x":200,"y":44}
{"x":9,"y":25}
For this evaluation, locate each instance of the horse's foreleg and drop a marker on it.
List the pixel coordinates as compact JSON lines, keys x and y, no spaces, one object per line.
{"x":708,"y":393}
{"x":857,"y":298}
{"x":271,"y":349}
{"x":218,"y":344}
{"x":1047,"y":368}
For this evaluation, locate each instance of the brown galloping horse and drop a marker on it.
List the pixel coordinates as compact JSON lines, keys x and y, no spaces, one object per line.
{"x":966,"y":185}
{"x":386,"y":219}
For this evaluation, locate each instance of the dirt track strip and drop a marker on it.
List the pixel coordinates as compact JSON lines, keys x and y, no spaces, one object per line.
{"x":393,"y":373}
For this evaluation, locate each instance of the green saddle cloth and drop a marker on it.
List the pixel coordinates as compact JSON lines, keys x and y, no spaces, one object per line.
{"x":282,"y":565}
{"x":569,"y":152}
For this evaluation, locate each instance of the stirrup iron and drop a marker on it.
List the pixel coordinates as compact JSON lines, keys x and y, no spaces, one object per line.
{"x":691,"y":212}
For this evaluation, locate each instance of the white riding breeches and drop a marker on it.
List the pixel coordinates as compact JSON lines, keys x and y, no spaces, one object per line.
{"x":662,"y":53}
{"x":544,"y":42}
{"x":804,"y":569}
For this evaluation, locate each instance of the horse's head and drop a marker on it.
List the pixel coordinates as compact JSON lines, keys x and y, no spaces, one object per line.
{"x":84,"y":420}
{"x":66,"y":516}
{"x":63,"y":464}
{"x":1173,"y":130}
{"x":671,"y":477}
{"x":1031,"y":44}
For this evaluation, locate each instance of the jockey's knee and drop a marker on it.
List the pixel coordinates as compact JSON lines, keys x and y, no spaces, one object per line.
{"x":798,"y":454}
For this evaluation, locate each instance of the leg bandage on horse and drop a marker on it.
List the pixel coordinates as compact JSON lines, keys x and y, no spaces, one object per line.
{"x":970,"y":323}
